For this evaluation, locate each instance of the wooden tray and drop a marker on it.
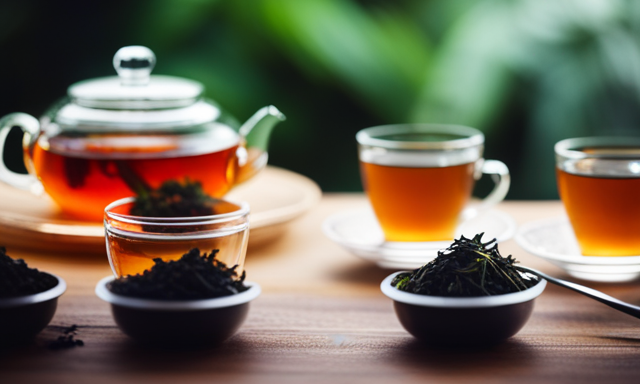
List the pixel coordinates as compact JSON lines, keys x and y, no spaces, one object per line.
{"x":276,"y":197}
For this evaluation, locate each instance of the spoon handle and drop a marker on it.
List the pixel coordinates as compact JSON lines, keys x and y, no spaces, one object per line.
{"x":592,"y":293}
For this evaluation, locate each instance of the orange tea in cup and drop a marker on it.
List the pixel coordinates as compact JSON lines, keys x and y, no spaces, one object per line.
{"x":599,"y":184}
{"x":419,"y":178}
{"x":133,"y":242}
{"x":427,"y":212}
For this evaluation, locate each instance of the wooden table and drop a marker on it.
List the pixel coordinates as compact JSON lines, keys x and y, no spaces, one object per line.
{"x":322,"y":318}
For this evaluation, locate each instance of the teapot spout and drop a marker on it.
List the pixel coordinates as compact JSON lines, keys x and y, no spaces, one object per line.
{"x":255,"y":133}
{"x":257,"y":130}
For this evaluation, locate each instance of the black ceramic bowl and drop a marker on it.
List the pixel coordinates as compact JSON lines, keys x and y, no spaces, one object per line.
{"x":179,"y":322}
{"x":462,"y":321}
{"x":23,"y":317}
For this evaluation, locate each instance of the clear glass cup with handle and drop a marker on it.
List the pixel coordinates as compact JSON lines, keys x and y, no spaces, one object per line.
{"x":420,"y":177}
{"x":599,"y":184}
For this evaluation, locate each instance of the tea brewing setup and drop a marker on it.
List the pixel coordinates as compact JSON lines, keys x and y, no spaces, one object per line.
{"x":112,"y":137}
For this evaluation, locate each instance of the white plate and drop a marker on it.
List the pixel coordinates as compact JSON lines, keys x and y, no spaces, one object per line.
{"x":553,"y":240}
{"x":359,"y":233}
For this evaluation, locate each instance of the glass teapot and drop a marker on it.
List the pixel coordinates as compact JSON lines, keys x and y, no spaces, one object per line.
{"x":115,"y":136}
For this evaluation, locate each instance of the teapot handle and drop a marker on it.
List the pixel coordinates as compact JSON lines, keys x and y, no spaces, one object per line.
{"x":30,"y":126}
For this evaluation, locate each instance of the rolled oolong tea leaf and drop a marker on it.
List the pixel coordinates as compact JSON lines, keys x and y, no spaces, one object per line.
{"x":174,"y":199}
{"x":17,"y":279}
{"x":467,"y":268}
{"x":192,"y":277}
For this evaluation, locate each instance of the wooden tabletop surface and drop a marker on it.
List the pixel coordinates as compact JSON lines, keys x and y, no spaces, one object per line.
{"x":322,"y":318}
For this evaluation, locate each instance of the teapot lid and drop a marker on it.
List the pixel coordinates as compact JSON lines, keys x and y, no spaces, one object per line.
{"x":135,"y":88}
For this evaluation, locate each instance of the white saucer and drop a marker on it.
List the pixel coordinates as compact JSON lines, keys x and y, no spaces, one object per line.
{"x":359,"y":233}
{"x":554,"y":240}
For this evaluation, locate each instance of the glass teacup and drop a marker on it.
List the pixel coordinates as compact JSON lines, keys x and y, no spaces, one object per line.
{"x":419,"y":178}
{"x":599,"y":184}
{"x":134,"y":241}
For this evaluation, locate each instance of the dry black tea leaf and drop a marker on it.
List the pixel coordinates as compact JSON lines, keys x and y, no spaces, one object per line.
{"x":17,"y":279}
{"x":467,"y":268}
{"x":192,"y":277}
{"x":174,"y":199}
{"x":67,"y":339}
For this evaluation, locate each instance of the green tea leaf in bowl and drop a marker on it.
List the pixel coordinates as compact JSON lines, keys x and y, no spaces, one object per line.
{"x":468,"y":268}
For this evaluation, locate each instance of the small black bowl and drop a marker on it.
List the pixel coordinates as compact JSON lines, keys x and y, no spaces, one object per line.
{"x":23,"y":317}
{"x":462,"y":321}
{"x":179,"y":322}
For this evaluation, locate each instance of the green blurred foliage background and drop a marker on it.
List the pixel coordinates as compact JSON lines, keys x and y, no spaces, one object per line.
{"x":526,"y":72}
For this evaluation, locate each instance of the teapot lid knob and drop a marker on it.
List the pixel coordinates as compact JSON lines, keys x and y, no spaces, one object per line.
{"x":134,"y":64}
{"x":135,"y":88}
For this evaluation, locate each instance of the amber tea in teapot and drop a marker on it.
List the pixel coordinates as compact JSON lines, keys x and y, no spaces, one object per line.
{"x":76,"y":171}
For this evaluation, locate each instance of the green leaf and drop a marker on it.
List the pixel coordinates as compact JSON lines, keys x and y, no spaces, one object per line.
{"x":470,"y":77}
{"x":380,"y":57}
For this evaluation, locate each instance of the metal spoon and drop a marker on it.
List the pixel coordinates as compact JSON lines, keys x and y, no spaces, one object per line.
{"x":592,"y":293}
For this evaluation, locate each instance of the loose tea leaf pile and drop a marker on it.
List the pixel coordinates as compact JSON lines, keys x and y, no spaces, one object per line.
{"x":192,"y":277}
{"x":17,"y":279}
{"x":67,"y":339}
{"x":174,"y":199}
{"x":468,"y":267}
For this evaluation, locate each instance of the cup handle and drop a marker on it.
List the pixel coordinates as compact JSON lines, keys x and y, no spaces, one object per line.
{"x":500,"y":175}
{"x":30,"y":126}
